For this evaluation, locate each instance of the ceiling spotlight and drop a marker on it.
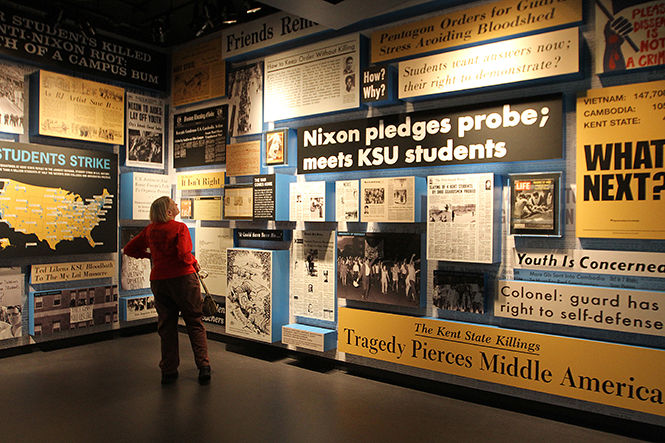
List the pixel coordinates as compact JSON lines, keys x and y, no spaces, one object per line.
{"x":230,"y":21}
{"x":253,"y":10}
{"x":159,"y":30}
{"x":207,"y":21}
{"x":59,"y":18}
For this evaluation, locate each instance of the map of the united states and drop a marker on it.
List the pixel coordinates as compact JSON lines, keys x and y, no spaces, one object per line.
{"x":52,"y":214}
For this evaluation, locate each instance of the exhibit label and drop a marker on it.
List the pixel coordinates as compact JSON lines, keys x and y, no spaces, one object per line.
{"x":33,"y":38}
{"x":626,"y":310}
{"x":56,"y":272}
{"x":57,"y":201}
{"x":626,"y":263}
{"x":71,"y":107}
{"x":629,"y":35}
{"x":201,"y":180}
{"x":620,"y":155}
{"x":198,"y":73}
{"x":314,"y":79}
{"x":265,"y":32}
{"x":500,"y":132}
{"x":486,"y":22}
{"x":593,"y":371}
{"x":511,"y":61}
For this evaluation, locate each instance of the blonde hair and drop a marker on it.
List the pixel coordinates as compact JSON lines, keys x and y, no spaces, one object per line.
{"x":158,"y":210}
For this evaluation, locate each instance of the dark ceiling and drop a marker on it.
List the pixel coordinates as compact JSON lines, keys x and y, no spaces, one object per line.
{"x":141,"y":20}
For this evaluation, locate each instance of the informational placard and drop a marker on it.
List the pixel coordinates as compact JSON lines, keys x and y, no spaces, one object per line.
{"x":387,"y":199}
{"x":201,"y":180}
{"x":592,"y":261}
{"x":199,"y":137}
{"x":263,"y":202}
{"x":626,"y":310}
{"x":376,"y":84}
{"x":347,"y":200}
{"x":57,"y":201}
{"x":211,"y":244}
{"x":460,"y":218}
{"x":594,"y":371}
{"x":37,"y":39}
{"x":207,"y":208}
{"x":58,"y":310}
{"x":145,"y":131}
{"x":312,"y":279}
{"x":239,"y":202}
{"x":12,"y":97}
{"x":265,"y":32}
{"x":501,"y":132}
{"x":57,"y":272}
{"x":246,"y":100}
{"x":629,"y":35}
{"x":379,"y":267}
{"x":139,"y":190}
{"x":249,"y":293}
{"x":186,"y":208}
{"x":458,"y":291}
{"x":489,"y":21}
{"x":313,"y":79}
{"x":243,"y":158}
{"x":11,"y":305}
{"x":71,"y":107}
{"x":534,"y":204}
{"x":520,"y":59}
{"x":307,"y":201}
{"x":620,"y":171}
{"x":198,"y":72}
{"x":276,"y":235}
{"x":134,"y":272}
{"x":219,"y":317}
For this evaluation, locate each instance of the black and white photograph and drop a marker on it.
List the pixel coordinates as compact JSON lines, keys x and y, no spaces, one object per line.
{"x":11,"y":306}
{"x":245,"y":93}
{"x":379,"y":268}
{"x":459,"y":291}
{"x":12,"y":99}
{"x":446,"y":213}
{"x":249,"y":293}
{"x":140,"y":307}
{"x":534,"y":204}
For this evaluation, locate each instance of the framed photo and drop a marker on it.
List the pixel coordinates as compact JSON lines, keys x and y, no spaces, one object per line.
{"x":535,"y":204}
{"x":459,"y":291}
{"x":276,"y":147}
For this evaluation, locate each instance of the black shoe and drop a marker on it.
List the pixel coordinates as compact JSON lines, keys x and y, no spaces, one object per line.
{"x":204,"y":375}
{"x":169,"y":377}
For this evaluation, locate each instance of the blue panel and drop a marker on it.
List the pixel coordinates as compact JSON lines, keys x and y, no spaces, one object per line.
{"x":127,"y":196}
{"x":280,"y":292}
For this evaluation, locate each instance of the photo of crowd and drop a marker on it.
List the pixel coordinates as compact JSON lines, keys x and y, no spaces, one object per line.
{"x":379,"y":268}
{"x":459,"y":291}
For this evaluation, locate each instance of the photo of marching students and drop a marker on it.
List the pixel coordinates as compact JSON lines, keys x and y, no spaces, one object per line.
{"x":379,"y":268}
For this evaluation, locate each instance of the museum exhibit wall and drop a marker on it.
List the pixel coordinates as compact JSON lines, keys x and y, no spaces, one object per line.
{"x":469,"y":196}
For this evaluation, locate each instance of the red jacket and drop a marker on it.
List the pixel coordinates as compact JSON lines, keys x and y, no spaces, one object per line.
{"x":168,"y":245}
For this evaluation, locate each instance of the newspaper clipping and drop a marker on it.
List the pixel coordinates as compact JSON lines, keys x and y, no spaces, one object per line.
{"x":145,"y":131}
{"x":460,"y":218}
{"x":307,"y":201}
{"x":388,"y":199}
{"x":347,"y":200}
{"x":211,"y":244}
{"x":313,"y":274}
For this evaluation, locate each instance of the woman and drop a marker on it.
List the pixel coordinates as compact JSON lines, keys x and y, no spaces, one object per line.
{"x":174,"y":283}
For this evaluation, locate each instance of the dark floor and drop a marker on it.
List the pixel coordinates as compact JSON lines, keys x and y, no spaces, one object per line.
{"x":110,"y":391}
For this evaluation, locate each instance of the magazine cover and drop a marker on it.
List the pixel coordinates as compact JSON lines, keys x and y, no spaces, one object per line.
{"x":534,"y":204}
